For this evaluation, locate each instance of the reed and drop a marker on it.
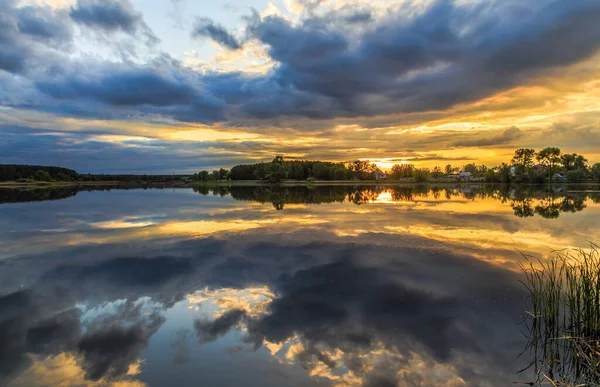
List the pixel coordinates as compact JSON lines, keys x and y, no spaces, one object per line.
{"x":563,"y":317}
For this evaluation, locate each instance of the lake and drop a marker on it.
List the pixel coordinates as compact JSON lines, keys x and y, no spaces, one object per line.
{"x":255,"y":286}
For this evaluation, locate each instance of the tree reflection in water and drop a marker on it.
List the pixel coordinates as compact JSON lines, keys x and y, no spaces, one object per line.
{"x":525,"y":202}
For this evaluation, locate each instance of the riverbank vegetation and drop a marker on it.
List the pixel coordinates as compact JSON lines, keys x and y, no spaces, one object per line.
{"x":527,"y":166}
{"x":563,"y":318}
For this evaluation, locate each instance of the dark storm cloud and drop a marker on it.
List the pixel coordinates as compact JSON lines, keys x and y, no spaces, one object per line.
{"x":508,"y":136}
{"x":44,"y":23}
{"x":108,"y":15}
{"x":27,"y":33}
{"x":204,"y":27}
{"x":325,"y":66}
{"x":150,"y":88}
{"x":422,"y":64}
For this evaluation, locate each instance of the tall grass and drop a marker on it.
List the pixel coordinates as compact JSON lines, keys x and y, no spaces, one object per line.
{"x":563,"y":320}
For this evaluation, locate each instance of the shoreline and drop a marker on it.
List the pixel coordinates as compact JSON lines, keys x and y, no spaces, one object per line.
{"x":258,"y":183}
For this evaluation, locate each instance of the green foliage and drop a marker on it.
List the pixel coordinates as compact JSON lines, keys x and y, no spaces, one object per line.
{"x":363,"y":170}
{"x":576,"y":175}
{"x":491,"y":176}
{"x":471,"y":168}
{"x":400,"y":171}
{"x":437,"y":172}
{"x":573,"y":161}
{"x":523,"y":162}
{"x":524,"y":157}
{"x":550,"y":157}
{"x":302,"y":170}
{"x":203,"y":175}
{"x":596,"y":172}
{"x":504,"y":173}
{"x":11,"y":172}
{"x":421,"y":175}
{"x":276,"y":173}
{"x":449,"y":169}
{"x":42,"y":176}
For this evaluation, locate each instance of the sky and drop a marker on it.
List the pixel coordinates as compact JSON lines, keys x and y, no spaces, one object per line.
{"x":154,"y":86}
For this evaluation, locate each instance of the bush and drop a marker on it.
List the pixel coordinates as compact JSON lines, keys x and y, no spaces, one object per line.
{"x":42,"y":176}
{"x":576,"y":176}
{"x":421,"y":175}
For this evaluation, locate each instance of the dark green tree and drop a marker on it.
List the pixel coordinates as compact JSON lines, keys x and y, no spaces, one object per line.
{"x":42,"y":176}
{"x":550,"y":157}
{"x":523,"y":161}
{"x":277,"y":173}
{"x":596,"y":172}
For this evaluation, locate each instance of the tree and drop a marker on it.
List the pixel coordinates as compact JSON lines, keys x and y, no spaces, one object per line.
{"x":402,"y":170}
{"x":596,"y":172}
{"x":491,"y":176}
{"x":295,"y":171}
{"x":550,"y":157}
{"x":277,"y":172}
{"x":362,"y":169}
{"x":42,"y":176}
{"x":470,"y":168}
{"x":504,"y":173}
{"x":576,"y":175}
{"x":523,"y":161}
{"x":573,"y":161}
{"x":203,"y":176}
{"x":278,"y":160}
{"x":524,"y":157}
{"x":436,"y":172}
{"x":223,"y":174}
{"x":322,"y":172}
{"x":421,"y":175}
{"x":449,"y":170}
{"x":260,"y":172}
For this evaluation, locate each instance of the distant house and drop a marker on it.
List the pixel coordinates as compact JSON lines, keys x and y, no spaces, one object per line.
{"x":558,"y":177}
{"x":380,"y":175}
{"x":465,"y":176}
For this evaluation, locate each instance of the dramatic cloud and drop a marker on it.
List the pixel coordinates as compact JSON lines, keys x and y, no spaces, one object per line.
{"x":205,"y":27}
{"x":45,"y":23}
{"x":107,"y":15}
{"x":508,"y":136}
{"x":446,"y":55}
{"x":28,"y":33}
{"x":378,"y":82}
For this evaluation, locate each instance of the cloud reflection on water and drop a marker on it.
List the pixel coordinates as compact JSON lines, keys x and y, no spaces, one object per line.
{"x":422,"y":295}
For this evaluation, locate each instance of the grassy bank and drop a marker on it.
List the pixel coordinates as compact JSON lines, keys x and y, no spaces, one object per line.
{"x":563,"y":320}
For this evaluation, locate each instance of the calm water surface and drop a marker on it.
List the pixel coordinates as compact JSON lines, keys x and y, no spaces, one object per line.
{"x":331,"y":286}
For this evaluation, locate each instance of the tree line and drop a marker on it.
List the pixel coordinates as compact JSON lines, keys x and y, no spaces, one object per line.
{"x":13,"y":172}
{"x":526,"y":166}
{"x":43,"y":173}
